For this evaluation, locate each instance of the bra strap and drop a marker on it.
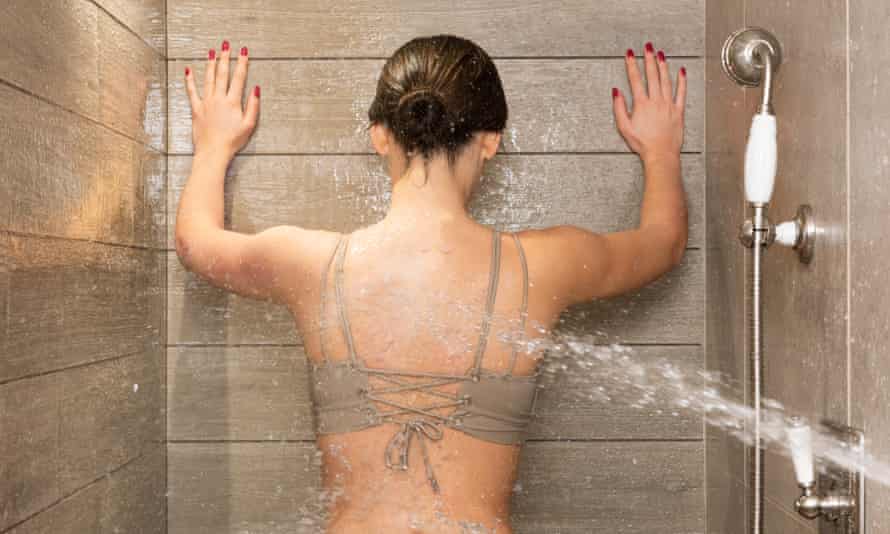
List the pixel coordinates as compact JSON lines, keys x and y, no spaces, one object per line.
{"x":489,"y":305}
{"x":523,"y":311}
{"x":341,"y":305}
{"x":322,"y":326}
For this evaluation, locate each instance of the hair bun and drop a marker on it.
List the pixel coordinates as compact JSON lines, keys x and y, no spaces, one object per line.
{"x":422,"y":122}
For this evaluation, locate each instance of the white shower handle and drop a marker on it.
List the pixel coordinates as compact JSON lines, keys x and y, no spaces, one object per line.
{"x":800,"y":444}
{"x":761,"y":159}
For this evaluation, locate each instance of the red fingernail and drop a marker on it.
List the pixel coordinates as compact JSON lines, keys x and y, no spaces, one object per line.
{"x":243,"y":50}
{"x":256,"y":91}
{"x":650,"y":48}
{"x":630,"y":52}
{"x":225,"y":46}
{"x":188,"y":71}
{"x":660,"y":55}
{"x":683,"y":71}
{"x":211,"y":54}
{"x":614,"y":92}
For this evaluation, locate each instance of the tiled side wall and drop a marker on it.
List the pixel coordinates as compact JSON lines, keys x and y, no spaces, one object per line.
{"x":242,"y":455}
{"x":82,"y":266}
{"x":826,"y":324}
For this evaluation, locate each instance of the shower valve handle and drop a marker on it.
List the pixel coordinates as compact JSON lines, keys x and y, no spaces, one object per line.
{"x":800,"y":444}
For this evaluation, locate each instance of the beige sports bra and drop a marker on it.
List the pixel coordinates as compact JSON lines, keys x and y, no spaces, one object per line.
{"x":489,"y":406}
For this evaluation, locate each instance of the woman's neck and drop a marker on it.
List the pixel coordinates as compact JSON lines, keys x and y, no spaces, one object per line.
{"x":430,"y":194}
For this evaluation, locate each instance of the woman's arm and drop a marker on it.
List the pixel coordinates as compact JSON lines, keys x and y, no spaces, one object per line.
{"x":249,"y":265}
{"x":602,"y":265}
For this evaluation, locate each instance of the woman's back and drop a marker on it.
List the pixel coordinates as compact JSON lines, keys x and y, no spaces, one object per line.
{"x":415,"y":299}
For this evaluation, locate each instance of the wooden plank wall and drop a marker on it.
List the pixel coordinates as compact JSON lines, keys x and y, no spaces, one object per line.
{"x":82,"y":266}
{"x":241,"y":451}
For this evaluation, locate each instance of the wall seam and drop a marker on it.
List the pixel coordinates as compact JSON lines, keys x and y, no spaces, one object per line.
{"x":849,"y":229}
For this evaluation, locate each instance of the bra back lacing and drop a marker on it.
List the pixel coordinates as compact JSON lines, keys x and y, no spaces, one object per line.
{"x":420,"y":421}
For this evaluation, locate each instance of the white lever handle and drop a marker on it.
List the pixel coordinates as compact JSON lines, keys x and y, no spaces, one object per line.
{"x":760,"y":159}
{"x":800,"y":442}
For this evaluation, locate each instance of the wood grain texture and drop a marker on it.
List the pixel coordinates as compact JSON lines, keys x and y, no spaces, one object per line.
{"x":73,"y":302}
{"x":238,"y":393}
{"x":75,"y":55}
{"x":668,"y":311}
{"x":364,"y":28}
{"x":59,"y":38}
{"x":262,"y":393}
{"x":146,"y":18}
{"x":66,"y":176}
{"x":63,"y":430}
{"x":317,"y":106}
{"x":132,"y":84}
{"x":343,"y":193}
{"x":130,"y":499}
{"x":273,"y":487}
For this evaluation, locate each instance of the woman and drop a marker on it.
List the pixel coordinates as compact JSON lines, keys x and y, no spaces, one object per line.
{"x":421,"y":390}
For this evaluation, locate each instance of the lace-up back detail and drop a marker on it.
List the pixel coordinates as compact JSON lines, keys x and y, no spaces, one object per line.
{"x":491,"y":406}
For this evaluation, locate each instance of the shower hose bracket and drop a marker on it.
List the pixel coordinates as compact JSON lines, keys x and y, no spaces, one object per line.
{"x":798,"y":234}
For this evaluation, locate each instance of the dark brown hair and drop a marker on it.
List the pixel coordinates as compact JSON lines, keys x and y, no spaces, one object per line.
{"x":435,"y":92}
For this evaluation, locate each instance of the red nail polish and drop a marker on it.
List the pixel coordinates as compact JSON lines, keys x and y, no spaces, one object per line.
{"x":211,"y":54}
{"x":660,"y":55}
{"x":225,"y":46}
{"x":650,"y":48}
{"x":614,"y":92}
{"x":630,"y":52}
{"x":188,"y":71}
{"x":256,"y":91}
{"x":683,"y":71}
{"x":243,"y":50}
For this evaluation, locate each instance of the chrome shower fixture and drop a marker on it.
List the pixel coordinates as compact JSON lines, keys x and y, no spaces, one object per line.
{"x":751,"y":56}
{"x":837,"y":494}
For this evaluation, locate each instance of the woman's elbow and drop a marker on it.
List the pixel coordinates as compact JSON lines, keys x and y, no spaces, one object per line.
{"x":185,"y":250}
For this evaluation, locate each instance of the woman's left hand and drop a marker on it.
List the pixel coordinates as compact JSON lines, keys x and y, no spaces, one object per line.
{"x":219,"y":123}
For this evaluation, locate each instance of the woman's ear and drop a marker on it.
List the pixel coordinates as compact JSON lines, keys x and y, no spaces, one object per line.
{"x":490,"y":143}
{"x":380,"y":139}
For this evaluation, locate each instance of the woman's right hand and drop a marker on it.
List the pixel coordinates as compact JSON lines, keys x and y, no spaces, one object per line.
{"x":654,"y":128}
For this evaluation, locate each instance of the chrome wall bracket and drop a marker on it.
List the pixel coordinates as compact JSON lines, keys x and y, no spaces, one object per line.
{"x":799,"y":233}
{"x":742,"y":60}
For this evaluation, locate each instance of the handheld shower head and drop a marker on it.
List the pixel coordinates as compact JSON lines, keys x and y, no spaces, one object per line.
{"x":751,"y":57}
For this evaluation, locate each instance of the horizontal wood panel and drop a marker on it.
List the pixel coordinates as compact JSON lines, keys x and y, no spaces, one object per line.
{"x":365,"y":28}
{"x":63,"y":430}
{"x":274,"y":487}
{"x":668,"y":311}
{"x":238,"y":393}
{"x":65,"y":176}
{"x":131,"y":499}
{"x":146,"y":18}
{"x":68,"y":303}
{"x":262,"y":393}
{"x":86,"y":63}
{"x":343,"y":193}
{"x":317,"y":106}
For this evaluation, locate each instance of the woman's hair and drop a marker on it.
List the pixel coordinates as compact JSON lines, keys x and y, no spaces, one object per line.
{"x":435,"y":92}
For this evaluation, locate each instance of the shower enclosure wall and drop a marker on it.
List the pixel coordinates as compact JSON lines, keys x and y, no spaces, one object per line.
{"x":825,"y":323}
{"x":82,"y":272}
{"x":123,"y":378}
